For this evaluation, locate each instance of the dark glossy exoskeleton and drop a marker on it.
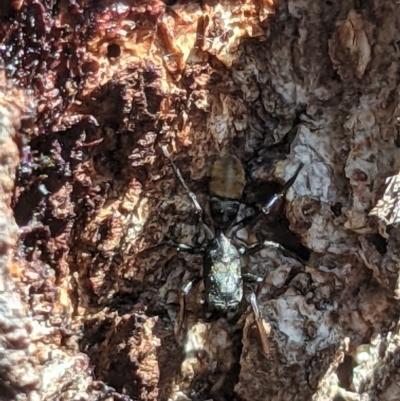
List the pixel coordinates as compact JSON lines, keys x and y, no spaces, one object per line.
{"x":223,"y":274}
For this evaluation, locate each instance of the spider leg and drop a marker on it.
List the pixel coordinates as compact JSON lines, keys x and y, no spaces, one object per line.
{"x":185,"y":289}
{"x":277,"y":197}
{"x":273,"y":245}
{"x":198,"y":209}
{"x":184,"y":248}
{"x":188,"y":285}
{"x":260,"y":323}
{"x":178,"y":175}
{"x":252,"y":278}
{"x":267,"y":208}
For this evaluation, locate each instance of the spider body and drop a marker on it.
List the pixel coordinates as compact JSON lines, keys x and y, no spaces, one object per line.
{"x":222,"y":258}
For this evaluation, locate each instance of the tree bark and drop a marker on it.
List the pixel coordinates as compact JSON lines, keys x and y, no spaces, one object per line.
{"x":90,"y":292}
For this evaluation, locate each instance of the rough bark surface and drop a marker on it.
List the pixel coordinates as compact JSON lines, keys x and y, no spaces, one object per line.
{"x":89,"y":291}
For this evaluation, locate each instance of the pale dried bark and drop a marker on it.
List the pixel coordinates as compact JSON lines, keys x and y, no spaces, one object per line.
{"x":93,"y":289}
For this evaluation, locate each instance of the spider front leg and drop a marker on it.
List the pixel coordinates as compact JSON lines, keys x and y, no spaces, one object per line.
{"x":198,"y":209}
{"x":278,"y":196}
{"x":178,"y":175}
{"x":267,"y":208}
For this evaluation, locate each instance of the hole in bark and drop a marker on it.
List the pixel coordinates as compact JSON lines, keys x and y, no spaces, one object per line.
{"x":113,"y":50}
{"x":337,"y":209}
{"x":379,"y":242}
{"x":345,"y":372}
